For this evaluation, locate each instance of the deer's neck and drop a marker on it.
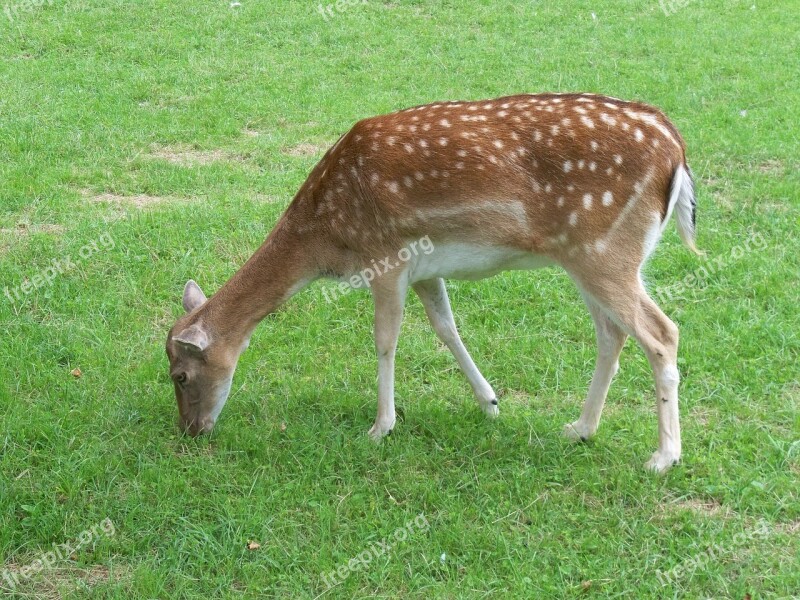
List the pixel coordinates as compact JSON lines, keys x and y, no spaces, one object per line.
{"x":280,"y":268}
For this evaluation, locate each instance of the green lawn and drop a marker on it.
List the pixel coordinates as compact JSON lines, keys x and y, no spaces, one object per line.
{"x":150,"y":142}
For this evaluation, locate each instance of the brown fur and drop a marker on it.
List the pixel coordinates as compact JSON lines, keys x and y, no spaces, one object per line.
{"x":526,"y":172}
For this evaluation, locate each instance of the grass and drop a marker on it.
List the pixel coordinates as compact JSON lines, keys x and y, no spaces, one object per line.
{"x":181,"y":131}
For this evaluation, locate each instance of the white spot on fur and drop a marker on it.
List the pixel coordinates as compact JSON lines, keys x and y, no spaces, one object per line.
{"x":568,"y":166}
{"x":587,"y":201}
{"x":608,"y":120}
{"x":608,"y":198}
{"x":573,"y":219}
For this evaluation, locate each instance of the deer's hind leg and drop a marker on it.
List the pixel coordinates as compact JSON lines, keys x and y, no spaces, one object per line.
{"x":625,"y":301}
{"x":610,"y":340}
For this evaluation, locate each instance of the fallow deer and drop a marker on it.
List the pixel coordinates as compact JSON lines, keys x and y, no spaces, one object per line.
{"x":584,"y":181}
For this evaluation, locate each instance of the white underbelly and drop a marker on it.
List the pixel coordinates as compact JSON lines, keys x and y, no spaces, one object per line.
{"x":469,"y":261}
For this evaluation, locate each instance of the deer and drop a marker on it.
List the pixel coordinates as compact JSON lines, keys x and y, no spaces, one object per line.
{"x":582,"y":181}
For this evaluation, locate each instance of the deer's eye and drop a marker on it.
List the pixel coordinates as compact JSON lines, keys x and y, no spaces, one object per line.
{"x":180,"y":379}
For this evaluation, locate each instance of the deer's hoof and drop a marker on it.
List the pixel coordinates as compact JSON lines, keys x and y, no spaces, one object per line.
{"x":381,"y":429}
{"x":576,"y":432}
{"x":661,"y":462}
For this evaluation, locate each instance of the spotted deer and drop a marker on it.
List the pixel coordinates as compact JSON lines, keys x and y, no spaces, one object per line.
{"x":583,"y":181}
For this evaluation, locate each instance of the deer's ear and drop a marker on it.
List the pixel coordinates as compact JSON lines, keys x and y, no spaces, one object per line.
{"x":193,"y":337}
{"x":193,"y":296}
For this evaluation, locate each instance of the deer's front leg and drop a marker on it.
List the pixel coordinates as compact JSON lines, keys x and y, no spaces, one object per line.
{"x":389,"y":296}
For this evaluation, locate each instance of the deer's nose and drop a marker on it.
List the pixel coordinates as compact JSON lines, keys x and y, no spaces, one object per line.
{"x":198,"y":427}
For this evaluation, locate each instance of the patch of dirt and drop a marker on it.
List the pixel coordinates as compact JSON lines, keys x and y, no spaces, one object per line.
{"x":306,"y":149}
{"x":267,"y":198}
{"x":772,"y":206}
{"x":514,"y":397}
{"x":770,"y":167}
{"x":137,"y":200}
{"x":792,"y":527}
{"x":28,"y":228}
{"x":792,"y":394}
{"x":189,"y":157}
{"x":704,"y":506}
{"x":702,"y":415}
{"x":51,"y":582}
{"x":720,"y":197}
{"x":250,"y":132}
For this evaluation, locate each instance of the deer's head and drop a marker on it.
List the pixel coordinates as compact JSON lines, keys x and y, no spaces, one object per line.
{"x":201,"y":365}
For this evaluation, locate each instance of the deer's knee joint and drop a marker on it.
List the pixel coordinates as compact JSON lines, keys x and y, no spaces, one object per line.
{"x":669,"y":376}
